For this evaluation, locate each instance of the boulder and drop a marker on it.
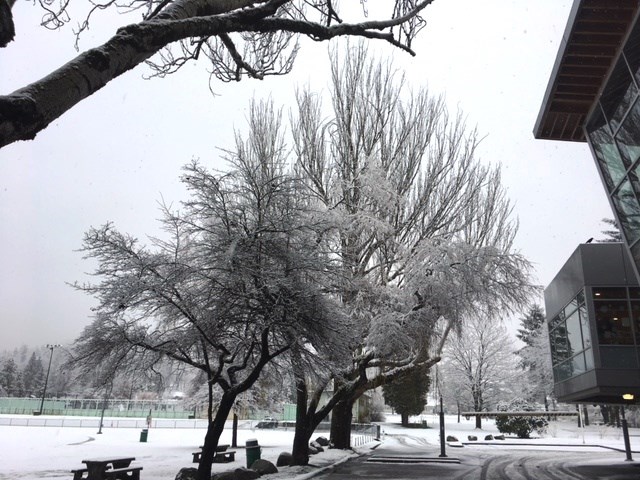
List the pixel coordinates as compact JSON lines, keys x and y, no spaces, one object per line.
{"x":322,"y":441}
{"x":317,"y":446}
{"x":489,"y":437}
{"x":264,"y":467}
{"x":451,"y":438}
{"x":188,"y":473}
{"x":472,"y":438}
{"x":499,"y":437}
{"x":312,"y":450}
{"x":284,"y":459}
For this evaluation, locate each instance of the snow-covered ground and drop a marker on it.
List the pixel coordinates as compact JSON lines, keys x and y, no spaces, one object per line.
{"x":36,"y":452}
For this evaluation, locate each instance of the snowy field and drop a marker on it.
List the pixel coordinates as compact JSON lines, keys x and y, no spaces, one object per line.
{"x":36,"y":452}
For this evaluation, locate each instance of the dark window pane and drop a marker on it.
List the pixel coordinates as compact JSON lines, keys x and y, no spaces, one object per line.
{"x":559,"y":345}
{"x":580,"y":297}
{"x":619,"y":357}
{"x":635,"y":313}
{"x":628,"y":211}
{"x":605,"y":151}
{"x":634,"y":292}
{"x":600,"y":293}
{"x":628,"y":137}
{"x":618,"y":95}
{"x":584,"y":323}
{"x":613,"y":322}
{"x":574,"y":337}
{"x":635,"y":254}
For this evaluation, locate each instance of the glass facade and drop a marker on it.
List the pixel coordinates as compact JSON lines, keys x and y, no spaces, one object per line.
{"x":570,"y":341}
{"x":613,"y":131}
{"x":616,"y":313}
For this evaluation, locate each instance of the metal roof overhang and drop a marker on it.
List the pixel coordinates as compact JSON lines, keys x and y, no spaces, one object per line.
{"x":593,"y":36}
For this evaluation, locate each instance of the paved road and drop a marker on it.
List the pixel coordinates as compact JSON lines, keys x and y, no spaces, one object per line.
{"x":406,"y":457}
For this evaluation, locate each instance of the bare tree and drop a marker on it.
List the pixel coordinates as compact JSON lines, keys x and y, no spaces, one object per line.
{"x":480,"y":361}
{"x":423,"y":229}
{"x":237,"y":281}
{"x":238,"y":37}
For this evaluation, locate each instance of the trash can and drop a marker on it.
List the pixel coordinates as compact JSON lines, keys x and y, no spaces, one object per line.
{"x":253,"y":451}
{"x":144,"y":434}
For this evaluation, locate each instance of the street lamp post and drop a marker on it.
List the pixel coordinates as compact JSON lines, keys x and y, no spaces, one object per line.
{"x":442,"y":444}
{"x":625,"y":435}
{"x":46,"y":380}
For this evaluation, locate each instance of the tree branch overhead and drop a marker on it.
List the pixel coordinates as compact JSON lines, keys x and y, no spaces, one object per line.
{"x":239,"y":25}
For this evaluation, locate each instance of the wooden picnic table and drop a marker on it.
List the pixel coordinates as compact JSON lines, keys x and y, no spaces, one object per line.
{"x":221,"y":455}
{"x":111,"y":467}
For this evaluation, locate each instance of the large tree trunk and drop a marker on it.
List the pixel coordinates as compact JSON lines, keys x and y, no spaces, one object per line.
{"x":302,"y":435}
{"x":212,"y":437}
{"x":341,"y":424}
{"x":404,"y":419}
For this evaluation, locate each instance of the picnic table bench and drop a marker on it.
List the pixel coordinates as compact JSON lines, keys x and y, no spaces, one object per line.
{"x":107,"y":468}
{"x":221,"y":455}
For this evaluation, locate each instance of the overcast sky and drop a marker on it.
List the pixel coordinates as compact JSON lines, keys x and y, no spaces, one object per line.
{"x":113,"y":156}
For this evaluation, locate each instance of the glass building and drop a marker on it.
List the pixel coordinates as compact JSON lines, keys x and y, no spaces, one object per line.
{"x":593,"y":95}
{"x":593,"y":315}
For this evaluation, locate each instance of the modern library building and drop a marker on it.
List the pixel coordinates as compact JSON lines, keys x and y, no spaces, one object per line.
{"x":593,"y":304}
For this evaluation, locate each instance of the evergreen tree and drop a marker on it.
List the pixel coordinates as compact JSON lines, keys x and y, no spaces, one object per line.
{"x":9,"y":378}
{"x":33,"y":376}
{"x":535,"y":356}
{"x":612,"y":232}
{"x":531,"y":325}
{"x":408,"y":394}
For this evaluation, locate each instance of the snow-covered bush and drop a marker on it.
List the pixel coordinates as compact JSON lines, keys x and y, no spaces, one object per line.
{"x":521,"y":425}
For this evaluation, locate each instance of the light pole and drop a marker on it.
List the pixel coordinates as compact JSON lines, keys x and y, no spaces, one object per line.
{"x":46,"y":380}
{"x":625,"y":435}
{"x":442,"y":444}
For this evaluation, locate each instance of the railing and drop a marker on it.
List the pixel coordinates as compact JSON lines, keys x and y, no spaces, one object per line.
{"x":94,"y":407}
{"x":27,"y":421}
{"x":365,"y":433}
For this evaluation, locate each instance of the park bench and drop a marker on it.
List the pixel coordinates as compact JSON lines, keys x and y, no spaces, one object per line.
{"x":222,"y":455}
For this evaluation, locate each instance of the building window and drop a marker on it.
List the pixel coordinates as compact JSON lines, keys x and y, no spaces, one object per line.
{"x":613,"y":322}
{"x":628,"y":137}
{"x":570,"y":340}
{"x":628,"y":211}
{"x":606,"y":152}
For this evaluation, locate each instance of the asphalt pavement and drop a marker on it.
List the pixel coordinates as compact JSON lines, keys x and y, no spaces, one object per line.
{"x":400,"y":460}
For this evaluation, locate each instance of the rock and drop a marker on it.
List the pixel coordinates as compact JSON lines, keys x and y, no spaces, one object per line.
{"x":312,"y":450}
{"x":188,"y":473}
{"x":472,"y":438}
{"x":322,"y":441}
{"x":317,"y":446}
{"x":284,"y":459}
{"x":499,"y":437}
{"x":451,"y":438}
{"x":237,"y":474}
{"x":489,"y":437}
{"x":264,"y":467}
